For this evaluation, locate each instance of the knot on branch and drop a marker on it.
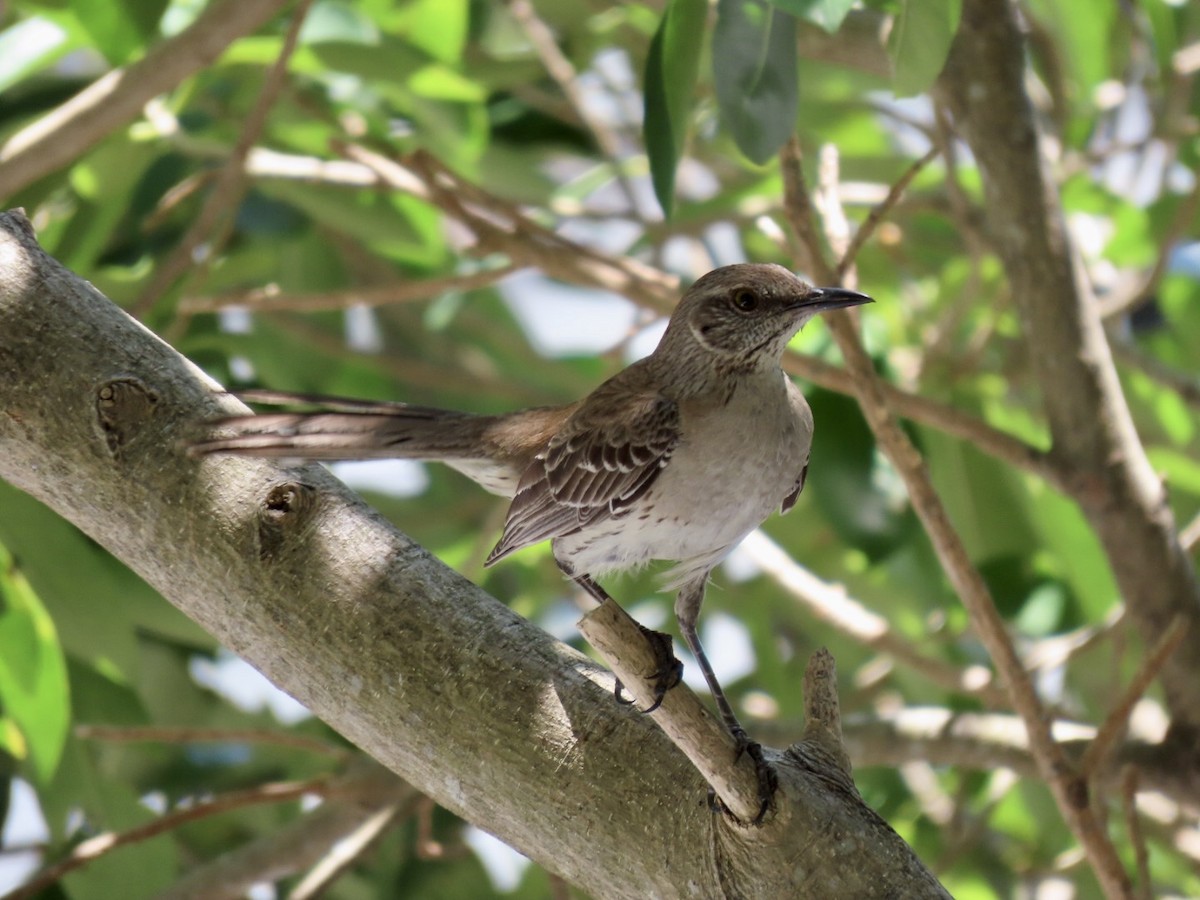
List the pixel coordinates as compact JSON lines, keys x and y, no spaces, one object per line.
{"x":123,"y":406}
{"x":284,"y":510}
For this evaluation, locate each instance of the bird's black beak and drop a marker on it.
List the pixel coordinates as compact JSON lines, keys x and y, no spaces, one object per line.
{"x":824,"y":299}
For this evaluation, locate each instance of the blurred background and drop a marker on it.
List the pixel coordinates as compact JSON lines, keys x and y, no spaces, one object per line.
{"x":460,"y":203}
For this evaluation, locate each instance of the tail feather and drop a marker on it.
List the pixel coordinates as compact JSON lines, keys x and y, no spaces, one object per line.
{"x":493,"y":450}
{"x":327,"y":403}
{"x":343,"y":429}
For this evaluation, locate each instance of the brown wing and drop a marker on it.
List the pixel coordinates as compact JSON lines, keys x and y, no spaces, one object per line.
{"x":602,"y":459}
{"x":794,"y":494}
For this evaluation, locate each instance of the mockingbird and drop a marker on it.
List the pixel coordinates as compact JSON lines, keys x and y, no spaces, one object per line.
{"x":676,"y":458}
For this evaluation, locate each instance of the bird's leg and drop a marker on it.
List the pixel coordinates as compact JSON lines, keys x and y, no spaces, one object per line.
{"x":669,"y":670}
{"x":687,"y":610}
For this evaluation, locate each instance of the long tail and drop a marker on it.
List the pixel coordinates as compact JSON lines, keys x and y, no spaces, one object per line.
{"x":342,"y":428}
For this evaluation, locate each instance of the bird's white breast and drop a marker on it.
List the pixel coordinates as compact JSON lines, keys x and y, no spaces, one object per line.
{"x":732,"y":468}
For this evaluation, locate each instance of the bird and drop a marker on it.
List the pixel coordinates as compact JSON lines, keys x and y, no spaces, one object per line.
{"x":675,"y":458}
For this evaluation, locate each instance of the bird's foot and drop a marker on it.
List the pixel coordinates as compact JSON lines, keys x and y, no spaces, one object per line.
{"x":768,"y":781}
{"x":668,"y":670}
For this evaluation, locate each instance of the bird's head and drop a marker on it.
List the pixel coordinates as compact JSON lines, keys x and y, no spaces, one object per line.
{"x":747,"y":312}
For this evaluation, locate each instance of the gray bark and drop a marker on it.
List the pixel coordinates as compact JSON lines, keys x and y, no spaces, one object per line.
{"x":441,"y":683}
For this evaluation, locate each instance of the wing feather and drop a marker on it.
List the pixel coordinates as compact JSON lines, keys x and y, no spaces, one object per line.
{"x":794,"y":494}
{"x":604,"y":458}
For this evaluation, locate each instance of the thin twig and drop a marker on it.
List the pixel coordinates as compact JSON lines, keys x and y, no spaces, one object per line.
{"x":170,"y":735}
{"x":986,"y":741}
{"x":11,"y":849}
{"x":831,"y":604}
{"x":271,"y":299}
{"x":428,"y":847}
{"x":1069,"y":788}
{"x":95,"y":847}
{"x":1189,"y":535}
{"x":213,"y":224}
{"x":1133,"y":825}
{"x":499,"y":226}
{"x":880,"y":211}
{"x":836,"y":226}
{"x":985,"y":437}
{"x":563,"y":72}
{"x":310,"y":841}
{"x":1183,"y":383}
{"x":1144,"y":887}
{"x":1057,"y":650}
{"x":343,"y":853}
{"x":1117,"y":720}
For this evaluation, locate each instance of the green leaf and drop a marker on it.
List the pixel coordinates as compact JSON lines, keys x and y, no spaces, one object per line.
{"x":332,"y":20}
{"x":920,"y":41}
{"x":856,"y":490}
{"x":28,"y":46}
{"x":826,"y":14}
{"x":754,"y":69}
{"x":439,"y":27}
{"x":114,"y":32}
{"x":671,"y":69}
{"x":98,"y":606}
{"x":391,"y":61}
{"x":443,"y":83}
{"x":33,"y":671}
{"x":1083,"y":31}
{"x":1181,"y":470}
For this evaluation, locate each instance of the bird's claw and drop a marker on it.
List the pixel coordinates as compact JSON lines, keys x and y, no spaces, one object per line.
{"x":668,"y":671}
{"x":768,"y":781}
{"x":618,"y":694}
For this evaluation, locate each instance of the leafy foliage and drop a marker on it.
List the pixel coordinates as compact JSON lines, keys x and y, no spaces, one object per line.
{"x":82,"y":641}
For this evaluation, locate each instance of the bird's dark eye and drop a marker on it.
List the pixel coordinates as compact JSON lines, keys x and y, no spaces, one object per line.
{"x":745,"y":300}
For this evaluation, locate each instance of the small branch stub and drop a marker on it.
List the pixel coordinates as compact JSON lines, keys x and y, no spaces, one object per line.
{"x":709,"y":746}
{"x":822,"y":710}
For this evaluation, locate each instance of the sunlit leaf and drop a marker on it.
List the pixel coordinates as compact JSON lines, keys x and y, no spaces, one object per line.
{"x":33,"y":671}
{"x":439,"y":27}
{"x":336,"y":20}
{"x":754,"y":70}
{"x":827,"y":14}
{"x":118,"y":30}
{"x":671,"y":69}
{"x":920,"y":41}
{"x":27,"y":46}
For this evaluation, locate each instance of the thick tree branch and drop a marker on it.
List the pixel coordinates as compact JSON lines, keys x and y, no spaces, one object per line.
{"x":1093,"y":434}
{"x":451,"y":690}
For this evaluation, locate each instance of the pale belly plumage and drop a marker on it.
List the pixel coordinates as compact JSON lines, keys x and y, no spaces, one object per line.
{"x":703,"y":504}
